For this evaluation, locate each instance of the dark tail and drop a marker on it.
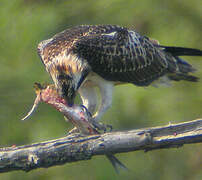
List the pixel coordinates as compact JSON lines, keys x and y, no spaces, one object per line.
{"x":181,"y":51}
{"x":184,"y":68}
{"x":116,"y":163}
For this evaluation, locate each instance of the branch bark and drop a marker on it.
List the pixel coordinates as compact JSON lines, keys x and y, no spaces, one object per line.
{"x":75,"y":147}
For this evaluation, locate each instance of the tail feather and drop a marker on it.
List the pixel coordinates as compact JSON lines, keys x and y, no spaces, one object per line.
{"x":183,"y":68}
{"x":181,"y":51}
{"x":181,"y":76}
{"x":183,"y":73}
{"x":116,"y":163}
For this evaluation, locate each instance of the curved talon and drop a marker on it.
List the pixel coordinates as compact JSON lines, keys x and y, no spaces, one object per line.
{"x":86,"y":110}
{"x":102,"y":127}
{"x":98,"y":126}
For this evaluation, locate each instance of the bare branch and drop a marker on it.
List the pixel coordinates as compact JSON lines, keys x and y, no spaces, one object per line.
{"x":75,"y":147}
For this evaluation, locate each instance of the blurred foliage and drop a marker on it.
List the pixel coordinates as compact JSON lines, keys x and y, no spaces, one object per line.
{"x":24,"y":23}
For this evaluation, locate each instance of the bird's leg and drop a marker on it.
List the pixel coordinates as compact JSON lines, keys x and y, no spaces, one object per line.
{"x":88,"y":97}
{"x":89,"y":100}
{"x":106,"y":91}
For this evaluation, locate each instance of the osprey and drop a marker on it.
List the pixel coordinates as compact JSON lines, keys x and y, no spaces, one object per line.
{"x":84,"y":57}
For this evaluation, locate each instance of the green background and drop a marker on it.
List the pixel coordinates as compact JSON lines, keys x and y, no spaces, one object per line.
{"x":24,"y":23}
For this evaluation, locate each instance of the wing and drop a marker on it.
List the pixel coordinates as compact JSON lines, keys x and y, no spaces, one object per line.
{"x":65,"y":41}
{"x":118,"y":54}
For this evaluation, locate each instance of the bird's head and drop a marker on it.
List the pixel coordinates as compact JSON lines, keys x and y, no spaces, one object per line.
{"x":66,"y":88}
{"x":65,"y":84}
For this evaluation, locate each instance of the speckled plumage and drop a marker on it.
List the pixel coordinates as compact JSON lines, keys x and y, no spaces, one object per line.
{"x":115,"y":54}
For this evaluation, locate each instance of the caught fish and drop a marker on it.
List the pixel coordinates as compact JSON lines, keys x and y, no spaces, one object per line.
{"x":78,"y":115}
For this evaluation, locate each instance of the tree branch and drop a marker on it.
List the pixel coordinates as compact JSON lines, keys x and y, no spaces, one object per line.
{"x":75,"y":147}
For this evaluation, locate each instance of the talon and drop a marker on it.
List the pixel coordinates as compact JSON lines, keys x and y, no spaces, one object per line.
{"x":102,"y":127}
{"x":73,"y":131}
{"x":86,"y":110}
{"x":110,"y":127}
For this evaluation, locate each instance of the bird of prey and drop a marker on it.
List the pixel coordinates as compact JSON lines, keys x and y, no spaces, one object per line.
{"x":84,"y":57}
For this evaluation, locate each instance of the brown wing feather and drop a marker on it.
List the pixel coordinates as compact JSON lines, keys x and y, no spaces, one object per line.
{"x":113,"y":52}
{"x":122,"y":55}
